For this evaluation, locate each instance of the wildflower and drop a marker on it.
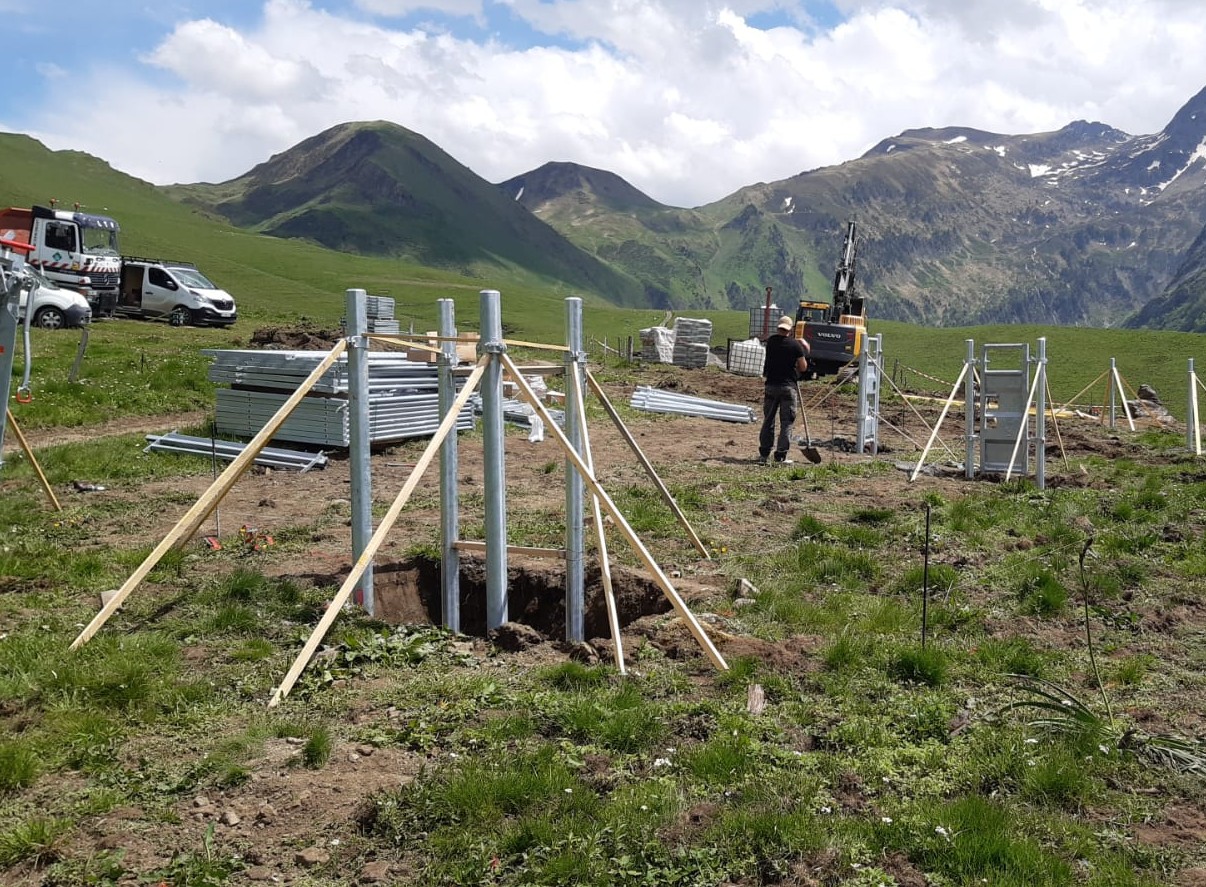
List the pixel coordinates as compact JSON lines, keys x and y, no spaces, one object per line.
{"x":887,"y":820}
{"x":661,"y":762}
{"x":644,"y":806}
{"x":826,"y":810}
{"x":569,"y":791}
{"x":1032,"y":741}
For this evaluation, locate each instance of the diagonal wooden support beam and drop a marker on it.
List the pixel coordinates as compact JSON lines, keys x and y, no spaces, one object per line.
{"x":370,"y":550}
{"x":209,"y":500}
{"x":609,"y":596}
{"x":648,"y":466}
{"x":526,"y":393}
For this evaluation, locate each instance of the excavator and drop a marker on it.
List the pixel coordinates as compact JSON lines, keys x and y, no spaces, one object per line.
{"x":835,"y":331}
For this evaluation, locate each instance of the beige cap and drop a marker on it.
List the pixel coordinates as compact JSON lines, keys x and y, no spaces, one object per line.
{"x":786,"y":323}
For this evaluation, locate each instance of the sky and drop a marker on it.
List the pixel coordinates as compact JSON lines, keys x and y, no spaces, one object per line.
{"x":688,"y":100}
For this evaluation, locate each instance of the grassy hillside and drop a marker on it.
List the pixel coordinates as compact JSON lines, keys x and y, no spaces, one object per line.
{"x":273,"y":279}
{"x":282,"y":281}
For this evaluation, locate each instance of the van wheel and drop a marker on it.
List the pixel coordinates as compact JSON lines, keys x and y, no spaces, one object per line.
{"x":180,"y":316}
{"x":50,"y":318}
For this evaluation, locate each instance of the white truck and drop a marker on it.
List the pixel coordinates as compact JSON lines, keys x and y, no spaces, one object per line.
{"x":177,"y":291}
{"x":75,"y":249}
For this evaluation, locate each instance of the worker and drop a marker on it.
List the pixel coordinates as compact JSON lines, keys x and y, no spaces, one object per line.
{"x":786,"y":358}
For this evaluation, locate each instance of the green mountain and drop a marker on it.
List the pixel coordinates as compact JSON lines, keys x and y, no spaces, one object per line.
{"x":282,"y":280}
{"x":379,"y":189}
{"x":1085,"y":225}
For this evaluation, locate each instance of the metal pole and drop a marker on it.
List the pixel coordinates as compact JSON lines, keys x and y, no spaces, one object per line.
{"x":495,"y":466}
{"x":450,"y":559}
{"x":575,"y":546}
{"x":969,"y":408}
{"x":1113,"y":395}
{"x":925,"y":581}
{"x":359,"y":462}
{"x":1192,"y":430}
{"x":1040,"y":419}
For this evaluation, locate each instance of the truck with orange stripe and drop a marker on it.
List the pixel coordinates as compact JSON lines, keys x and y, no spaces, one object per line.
{"x":75,"y":249}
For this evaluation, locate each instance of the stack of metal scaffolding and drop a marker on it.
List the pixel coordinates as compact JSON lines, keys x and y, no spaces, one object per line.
{"x":403,"y":397}
{"x":228,"y":451}
{"x":380,"y":313}
{"x":655,"y":400}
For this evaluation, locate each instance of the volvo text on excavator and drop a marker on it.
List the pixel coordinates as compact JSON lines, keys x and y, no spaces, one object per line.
{"x":834,"y":332}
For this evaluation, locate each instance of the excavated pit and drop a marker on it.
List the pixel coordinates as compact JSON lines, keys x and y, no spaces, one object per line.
{"x":408,"y":592}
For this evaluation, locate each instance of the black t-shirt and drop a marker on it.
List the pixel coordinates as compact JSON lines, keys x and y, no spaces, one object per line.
{"x":779,"y":368}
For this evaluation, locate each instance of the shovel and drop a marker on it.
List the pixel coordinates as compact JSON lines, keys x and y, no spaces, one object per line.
{"x":811,"y":453}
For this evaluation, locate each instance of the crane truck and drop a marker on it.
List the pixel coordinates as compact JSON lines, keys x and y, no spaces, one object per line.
{"x":835,"y":331}
{"x":77,"y":250}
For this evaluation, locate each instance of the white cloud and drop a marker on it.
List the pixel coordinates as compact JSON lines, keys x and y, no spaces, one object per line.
{"x":684,"y":98}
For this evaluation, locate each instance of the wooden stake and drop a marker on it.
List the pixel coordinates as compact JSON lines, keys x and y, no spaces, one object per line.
{"x":613,"y":613}
{"x":937,"y":425}
{"x":648,"y":466}
{"x":1054,"y":421}
{"x":909,"y":404}
{"x":33,"y":460}
{"x":525,"y":392}
{"x":1083,"y":390}
{"x":196,"y":515}
{"x":1126,"y":407}
{"x":387,"y":523}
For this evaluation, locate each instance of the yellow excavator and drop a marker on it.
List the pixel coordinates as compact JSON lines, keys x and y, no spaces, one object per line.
{"x":835,"y":332}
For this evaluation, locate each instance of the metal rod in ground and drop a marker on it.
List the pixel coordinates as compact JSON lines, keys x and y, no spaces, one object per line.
{"x":925,"y":580}
{"x":213,"y":464}
{"x":1193,"y":435}
{"x":359,"y":457}
{"x":494,"y":467}
{"x":969,"y":409}
{"x":575,"y":537}
{"x":450,"y":559}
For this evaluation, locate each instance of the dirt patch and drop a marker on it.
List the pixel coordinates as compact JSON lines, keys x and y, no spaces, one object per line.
{"x":409,"y":591}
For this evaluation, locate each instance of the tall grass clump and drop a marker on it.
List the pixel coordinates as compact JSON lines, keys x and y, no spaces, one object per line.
{"x":1041,"y":593}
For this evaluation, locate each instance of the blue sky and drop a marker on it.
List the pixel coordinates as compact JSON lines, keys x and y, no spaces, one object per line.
{"x":687,"y":99}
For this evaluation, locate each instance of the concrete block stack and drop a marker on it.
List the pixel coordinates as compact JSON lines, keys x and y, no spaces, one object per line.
{"x":692,"y":342}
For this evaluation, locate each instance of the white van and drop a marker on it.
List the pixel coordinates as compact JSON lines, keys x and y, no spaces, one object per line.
{"x":54,"y":307}
{"x":175,"y":290}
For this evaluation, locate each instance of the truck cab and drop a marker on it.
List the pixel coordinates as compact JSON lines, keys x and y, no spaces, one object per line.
{"x":74,"y":249}
{"x":177,"y":291}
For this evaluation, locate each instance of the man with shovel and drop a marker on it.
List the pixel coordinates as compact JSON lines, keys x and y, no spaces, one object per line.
{"x":786,"y":359}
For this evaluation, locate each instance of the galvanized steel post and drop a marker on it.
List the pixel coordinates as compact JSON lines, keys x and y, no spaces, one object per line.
{"x":1193,"y":434}
{"x":359,"y":461}
{"x":969,"y":409}
{"x":495,"y":466}
{"x":1113,"y":386}
{"x":450,"y":560}
{"x":575,"y":547}
{"x":1040,"y":418}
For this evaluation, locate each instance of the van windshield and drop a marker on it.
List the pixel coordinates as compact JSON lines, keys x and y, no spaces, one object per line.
{"x":194,"y":278}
